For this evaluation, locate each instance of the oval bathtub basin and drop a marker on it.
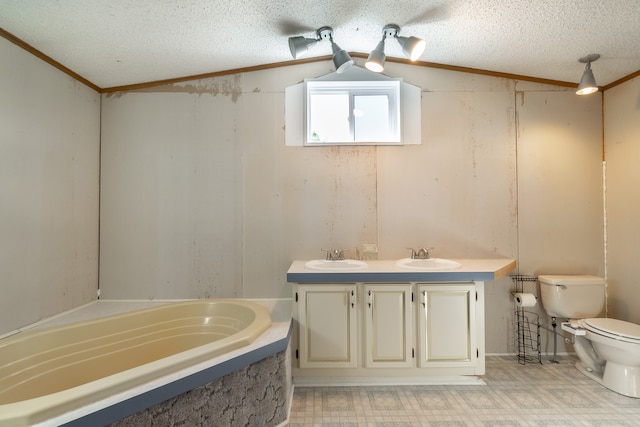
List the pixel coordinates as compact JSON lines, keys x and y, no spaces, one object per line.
{"x":337,"y":265}
{"x":48,"y":372}
{"x":429,"y":264}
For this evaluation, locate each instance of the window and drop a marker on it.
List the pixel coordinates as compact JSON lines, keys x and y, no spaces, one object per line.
{"x":357,"y":107}
{"x":361,"y":112}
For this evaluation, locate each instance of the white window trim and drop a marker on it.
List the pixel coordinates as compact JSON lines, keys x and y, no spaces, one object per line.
{"x":390,"y":87}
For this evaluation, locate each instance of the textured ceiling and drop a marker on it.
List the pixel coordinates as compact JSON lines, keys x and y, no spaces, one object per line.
{"x":122,"y":42}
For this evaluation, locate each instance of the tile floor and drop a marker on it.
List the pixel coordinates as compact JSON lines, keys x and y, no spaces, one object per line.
{"x":514,"y":395}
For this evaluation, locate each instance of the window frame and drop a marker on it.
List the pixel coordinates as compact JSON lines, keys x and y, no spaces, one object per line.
{"x":354,"y":88}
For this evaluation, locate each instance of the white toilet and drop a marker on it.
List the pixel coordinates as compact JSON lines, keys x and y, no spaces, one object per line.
{"x":609,"y":349}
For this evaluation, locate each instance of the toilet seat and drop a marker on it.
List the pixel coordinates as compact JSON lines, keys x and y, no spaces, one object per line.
{"x":614,"y":328}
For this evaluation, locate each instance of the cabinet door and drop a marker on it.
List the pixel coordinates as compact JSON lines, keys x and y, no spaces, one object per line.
{"x":388,"y":324}
{"x":447,"y":325}
{"x":327,"y":319}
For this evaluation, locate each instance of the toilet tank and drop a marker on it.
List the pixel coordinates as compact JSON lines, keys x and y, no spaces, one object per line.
{"x":572,"y":297}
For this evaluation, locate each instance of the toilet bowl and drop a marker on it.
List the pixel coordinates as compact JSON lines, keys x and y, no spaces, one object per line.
{"x":616,"y":345}
{"x":608,"y":349}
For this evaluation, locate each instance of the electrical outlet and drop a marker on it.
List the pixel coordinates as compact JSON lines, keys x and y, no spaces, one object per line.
{"x":370,"y":248}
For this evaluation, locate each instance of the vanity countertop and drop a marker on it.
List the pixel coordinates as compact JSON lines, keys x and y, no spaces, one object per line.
{"x":386,"y":271}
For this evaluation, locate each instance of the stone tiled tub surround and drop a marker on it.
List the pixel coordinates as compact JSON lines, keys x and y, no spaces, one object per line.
{"x":257,"y":395}
{"x":122,"y":403}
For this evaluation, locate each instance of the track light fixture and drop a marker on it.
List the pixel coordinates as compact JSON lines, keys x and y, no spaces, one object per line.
{"x":299,"y":46}
{"x":588,"y":81}
{"x":412,"y":47}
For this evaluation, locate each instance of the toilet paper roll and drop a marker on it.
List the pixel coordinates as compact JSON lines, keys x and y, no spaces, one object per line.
{"x":524,"y":299}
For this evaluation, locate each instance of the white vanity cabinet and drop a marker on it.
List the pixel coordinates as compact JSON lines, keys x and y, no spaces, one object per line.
{"x":447,"y":326}
{"x":387,"y":333}
{"x":388,"y":326}
{"x":327,"y":326}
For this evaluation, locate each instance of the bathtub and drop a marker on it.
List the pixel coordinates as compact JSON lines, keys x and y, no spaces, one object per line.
{"x":48,"y":372}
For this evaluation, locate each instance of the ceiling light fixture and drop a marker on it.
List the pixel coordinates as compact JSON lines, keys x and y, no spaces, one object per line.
{"x":412,"y":47}
{"x":587,"y":82}
{"x":299,"y":46}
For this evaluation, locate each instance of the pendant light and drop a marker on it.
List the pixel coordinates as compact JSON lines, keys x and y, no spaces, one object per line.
{"x":588,"y":81}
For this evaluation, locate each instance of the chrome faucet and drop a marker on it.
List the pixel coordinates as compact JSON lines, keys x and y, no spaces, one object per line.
{"x":335,"y":254}
{"x":422,"y":253}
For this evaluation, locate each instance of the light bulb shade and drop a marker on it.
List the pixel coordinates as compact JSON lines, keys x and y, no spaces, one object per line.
{"x":587,"y":82}
{"x":299,"y":46}
{"x":376,"y":59}
{"x":341,"y":59}
{"x":412,"y":47}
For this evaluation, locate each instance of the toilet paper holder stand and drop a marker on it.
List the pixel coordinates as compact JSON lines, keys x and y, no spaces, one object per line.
{"x":527,"y":327}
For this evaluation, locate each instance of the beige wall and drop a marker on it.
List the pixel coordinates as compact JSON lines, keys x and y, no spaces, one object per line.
{"x":171,"y":195}
{"x":200,"y":196}
{"x":49,"y":167}
{"x":622,"y":154}
{"x":560,"y":207}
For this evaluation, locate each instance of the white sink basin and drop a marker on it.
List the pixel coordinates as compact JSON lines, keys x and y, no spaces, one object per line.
{"x":338,"y":265}
{"x":430,"y":264}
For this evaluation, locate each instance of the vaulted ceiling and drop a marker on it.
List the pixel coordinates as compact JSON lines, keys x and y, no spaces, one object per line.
{"x":123,"y":42}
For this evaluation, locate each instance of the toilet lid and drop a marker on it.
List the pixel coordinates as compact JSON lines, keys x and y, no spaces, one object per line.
{"x":616,"y":327}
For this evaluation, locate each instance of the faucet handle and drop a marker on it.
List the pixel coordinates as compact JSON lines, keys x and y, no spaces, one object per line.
{"x":341,"y":253}
{"x":413,"y":253}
